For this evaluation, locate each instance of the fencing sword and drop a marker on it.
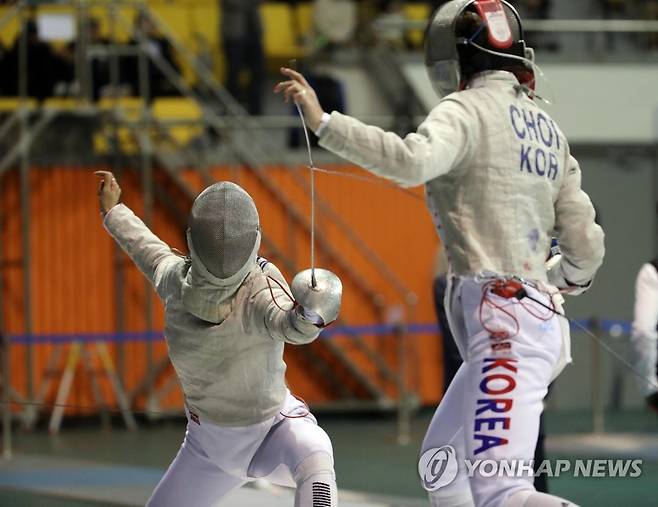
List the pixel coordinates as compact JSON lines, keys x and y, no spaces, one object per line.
{"x":317,"y":291}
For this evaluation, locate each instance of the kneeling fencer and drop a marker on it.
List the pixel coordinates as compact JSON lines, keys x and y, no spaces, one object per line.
{"x":500,"y":183}
{"x":228,"y":314}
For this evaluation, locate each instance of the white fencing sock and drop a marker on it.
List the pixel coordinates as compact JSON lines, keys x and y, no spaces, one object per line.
{"x":316,"y":481}
{"x":462,"y":499}
{"x":530,"y":498}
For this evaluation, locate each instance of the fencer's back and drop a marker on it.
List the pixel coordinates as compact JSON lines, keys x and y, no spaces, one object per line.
{"x":497,"y":207}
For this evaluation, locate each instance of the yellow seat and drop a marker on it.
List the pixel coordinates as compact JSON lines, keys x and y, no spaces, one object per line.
{"x":305,"y":18}
{"x":62,"y":103}
{"x":205,"y":37}
{"x":205,"y":22}
{"x":177,"y":17}
{"x":170,"y":110}
{"x":125,"y":15}
{"x":279,"y":38}
{"x":130,"y":108}
{"x":125,"y":140}
{"x":10,"y":30}
{"x":179,"y":108}
{"x":185,"y":3}
{"x":416,"y":12}
{"x":9,"y":104}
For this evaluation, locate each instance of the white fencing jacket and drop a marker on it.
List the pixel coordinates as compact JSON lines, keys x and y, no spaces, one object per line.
{"x":232,"y":371}
{"x":644,"y":339}
{"x":499,"y":177}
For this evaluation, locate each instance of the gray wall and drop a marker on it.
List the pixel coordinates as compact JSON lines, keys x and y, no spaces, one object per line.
{"x":622,"y":186}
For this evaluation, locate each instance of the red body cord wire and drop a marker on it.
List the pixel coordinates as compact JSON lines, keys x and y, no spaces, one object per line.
{"x":510,"y":290}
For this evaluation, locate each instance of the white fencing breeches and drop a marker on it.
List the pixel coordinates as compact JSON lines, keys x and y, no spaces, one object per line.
{"x":491,"y":411}
{"x":214,"y":460}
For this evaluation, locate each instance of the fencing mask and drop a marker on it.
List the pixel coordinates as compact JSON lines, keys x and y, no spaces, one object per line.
{"x":464,"y":37}
{"x":224,"y":231}
{"x":223,"y":237}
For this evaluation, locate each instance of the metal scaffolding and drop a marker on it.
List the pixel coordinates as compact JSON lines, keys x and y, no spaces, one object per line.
{"x":160,"y":172}
{"x":224,"y":116}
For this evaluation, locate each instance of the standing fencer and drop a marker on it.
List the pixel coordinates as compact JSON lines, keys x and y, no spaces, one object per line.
{"x":644,"y":337}
{"x":228,"y":314}
{"x":500,"y":182}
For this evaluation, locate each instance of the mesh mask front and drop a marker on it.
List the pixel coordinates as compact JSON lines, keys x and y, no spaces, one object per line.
{"x":441,"y":56}
{"x":224,"y":228}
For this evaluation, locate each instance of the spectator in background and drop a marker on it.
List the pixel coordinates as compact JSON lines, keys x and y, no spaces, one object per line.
{"x":4,"y":73}
{"x":644,"y":338}
{"x":99,"y":62}
{"x":329,"y":89}
{"x":242,"y":34}
{"x":334,"y":22}
{"x":158,"y":49}
{"x":644,"y":334}
{"x":392,"y":13}
{"x":42,"y":69}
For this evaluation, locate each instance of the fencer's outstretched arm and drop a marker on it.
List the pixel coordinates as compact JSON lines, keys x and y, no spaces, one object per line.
{"x":278,"y":318}
{"x":644,"y":335}
{"x":150,"y":254}
{"x":580,"y":238}
{"x":440,"y":143}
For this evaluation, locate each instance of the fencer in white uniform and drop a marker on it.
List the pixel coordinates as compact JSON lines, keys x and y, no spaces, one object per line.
{"x":500,"y":182}
{"x":228,"y":314}
{"x":644,"y":337}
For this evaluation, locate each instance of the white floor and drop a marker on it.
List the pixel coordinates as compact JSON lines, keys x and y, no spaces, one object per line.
{"x":612,"y":445}
{"x":131,"y":486}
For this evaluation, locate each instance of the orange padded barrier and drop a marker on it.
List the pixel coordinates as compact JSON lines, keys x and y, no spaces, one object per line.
{"x":73,"y":266}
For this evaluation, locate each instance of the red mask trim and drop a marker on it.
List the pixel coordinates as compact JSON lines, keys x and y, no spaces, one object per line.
{"x":493,"y":14}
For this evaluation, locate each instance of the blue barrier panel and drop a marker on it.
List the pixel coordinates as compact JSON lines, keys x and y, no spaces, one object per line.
{"x":370,"y":330}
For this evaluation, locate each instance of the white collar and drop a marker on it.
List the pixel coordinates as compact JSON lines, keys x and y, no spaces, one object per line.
{"x":482,"y":79}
